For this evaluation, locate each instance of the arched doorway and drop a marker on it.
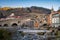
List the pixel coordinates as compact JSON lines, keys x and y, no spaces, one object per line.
{"x":14,"y":24}
{"x":6,"y":25}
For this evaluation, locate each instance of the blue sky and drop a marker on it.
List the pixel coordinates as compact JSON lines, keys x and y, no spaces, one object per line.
{"x":28,"y":3}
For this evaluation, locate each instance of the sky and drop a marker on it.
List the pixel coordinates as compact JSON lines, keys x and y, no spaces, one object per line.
{"x":28,"y":3}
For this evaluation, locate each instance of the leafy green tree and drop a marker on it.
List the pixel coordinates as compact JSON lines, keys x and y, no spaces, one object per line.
{"x":5,"y":35}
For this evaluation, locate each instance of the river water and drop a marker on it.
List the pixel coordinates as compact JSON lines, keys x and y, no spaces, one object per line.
{"x":29,"y":35}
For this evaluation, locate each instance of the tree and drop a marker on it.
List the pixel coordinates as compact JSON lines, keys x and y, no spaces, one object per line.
{"x":5,"y":35}
{"x":1,"y":14}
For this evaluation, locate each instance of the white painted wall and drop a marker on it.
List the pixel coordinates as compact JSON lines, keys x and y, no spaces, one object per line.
{"x":55,"y":20}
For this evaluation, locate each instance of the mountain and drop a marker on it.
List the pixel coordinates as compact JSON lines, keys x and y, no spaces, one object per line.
{"x":24,"y":11}
{"x":40,"y":10}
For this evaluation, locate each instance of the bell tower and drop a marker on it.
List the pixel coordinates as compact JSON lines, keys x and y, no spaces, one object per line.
{"x":52,"y":10}
{"x":50,"y":16}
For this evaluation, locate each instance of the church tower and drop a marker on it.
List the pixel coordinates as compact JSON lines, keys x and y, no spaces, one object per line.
{"x":52,"y":10}
{"x":50,"y":16}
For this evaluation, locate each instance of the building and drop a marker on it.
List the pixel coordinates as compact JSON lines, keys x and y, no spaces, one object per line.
{"x":54,"y":18}
{"x":12,"y":16}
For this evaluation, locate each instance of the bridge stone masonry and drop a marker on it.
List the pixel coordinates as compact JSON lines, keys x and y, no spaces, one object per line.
{"x":36,"y":18}
{"x":12,"y":22}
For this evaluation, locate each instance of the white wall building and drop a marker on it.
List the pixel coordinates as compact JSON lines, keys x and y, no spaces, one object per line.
{"x":56,"y":20}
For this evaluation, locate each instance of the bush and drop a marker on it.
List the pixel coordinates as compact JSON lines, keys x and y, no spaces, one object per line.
{"x":5,"y":35}
{"x":22,"y":34}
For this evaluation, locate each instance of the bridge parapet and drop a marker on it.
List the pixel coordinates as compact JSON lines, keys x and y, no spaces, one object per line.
{"x":10,"y":22}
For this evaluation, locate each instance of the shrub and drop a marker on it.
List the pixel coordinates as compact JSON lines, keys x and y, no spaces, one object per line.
{"x":5,"y":35}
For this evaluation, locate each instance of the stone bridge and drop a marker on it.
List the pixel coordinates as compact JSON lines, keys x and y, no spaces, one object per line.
{"x":13,"y":22}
